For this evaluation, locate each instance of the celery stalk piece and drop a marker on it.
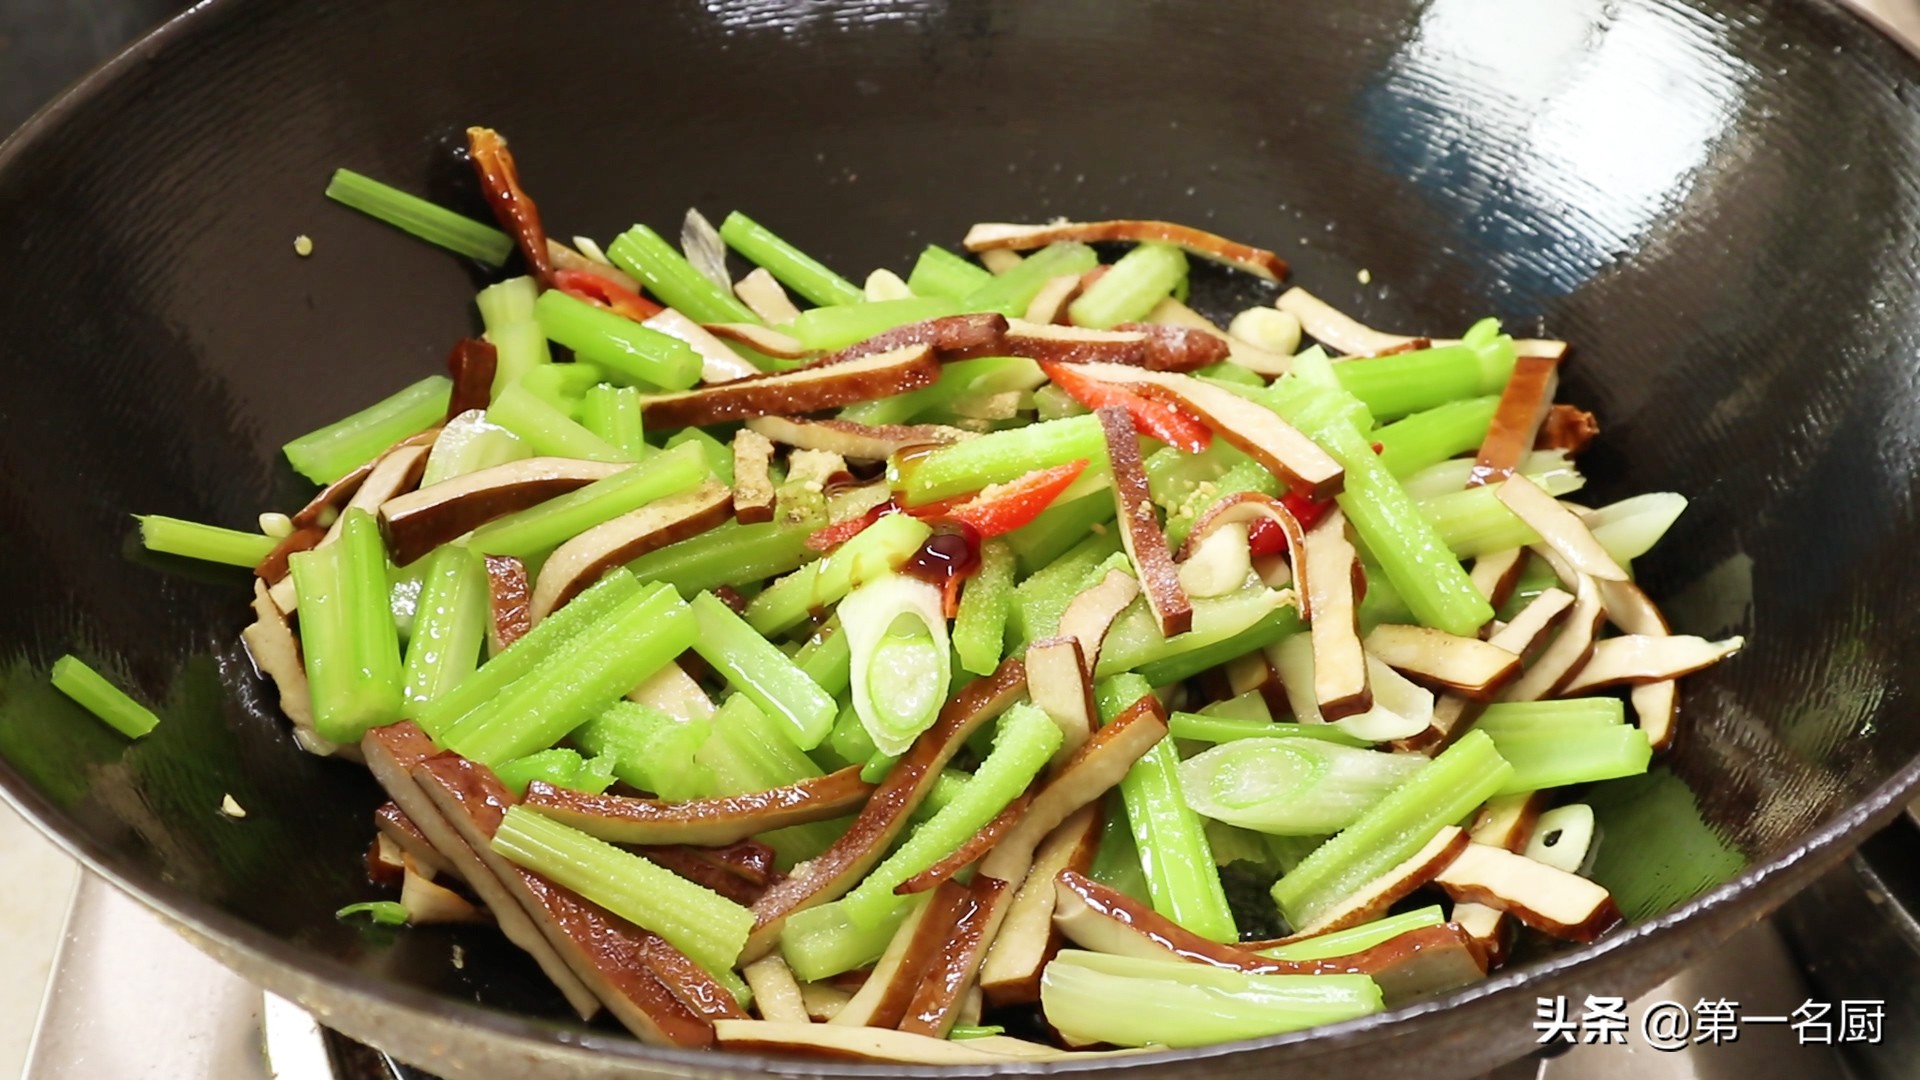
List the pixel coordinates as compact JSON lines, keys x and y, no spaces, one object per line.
{"x":1450,"y":477}
{"x":562,"y":631}
{"x":547,"y":429}
{"x":1248,"y":706}
{"x":719,"y":455}
{"x":1011,"y":292}
{"x":595,"y":775}
{"x":1131,"y":287}
{"x":519,"y":348}
{"x":877,"y":550}
{"x":611,"y":657}
{"x":827,"y":659}
{"x":1358,"y":938}
{"x":789,"y":265}
{"x":449,"y":626}
{"x":1039,"y":601}
{"x":979,"y":629}
{"x":752,"y":665}
{"x":1475,"y":522}
{"x":410,"y":213}
{"x":946,"y":788}
{"x":666,"y":273}
{"x":959,"y":379}
{"x":613,"y":413}
{"x":507,"y":302}
{"x":1182,"y":881}
{"x":1242,"y":476}
{"x":821,"y":942}
{"x":1561,"y":714}
{"x":730,"y":554}
{"x":557,"y":766}
{"x":1025,"y":738}
{"x":707,"y":927}
{"x":958,"y":468}
{"x":1135,"y":640}
{"x":332,"y":452}
{"x":750,"y":751}
{"x":899,"y":658}
{"x":470,"y":443}
{"x":837,"y":327}
{"x":649,"y":749}
{"x":1394,"y":386}
{"x":71,"y":676}
{"x":1292,"y":787}
{"x":347,"y":634}
{"x":1462,"y":777}
{"x":636,"y":353}
{"x":1571,"y":754}
{"x":1093,"y":997}
{"x":1058,"y":528}
{"x":939,"y":272}
{"x":850,"y":741}
{"x":564,"y":386}
{"x":1180,"y":666}
{"x":1200,"y":727}
{"x":208,"y":543}
{"x":547,"y":525}
{"x":1434,"y":435}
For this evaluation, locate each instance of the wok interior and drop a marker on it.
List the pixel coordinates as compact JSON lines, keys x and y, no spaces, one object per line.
{"x":1670,"y":186}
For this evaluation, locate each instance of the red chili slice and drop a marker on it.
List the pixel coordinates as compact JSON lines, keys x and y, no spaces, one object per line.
{"x":601,"y":292}
{"x":1156,"y":418}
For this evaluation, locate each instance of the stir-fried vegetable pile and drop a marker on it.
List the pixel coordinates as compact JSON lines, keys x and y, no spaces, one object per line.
{"x":862,"y":678}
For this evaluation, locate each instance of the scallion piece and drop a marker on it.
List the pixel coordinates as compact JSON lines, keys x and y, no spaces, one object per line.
{"x":1131,"y":287}
{"x":1088,"y":997}
{"x":547,"y":429}
{"x":641,"y":252}
{"x":940,"y":272}
{"x":996,"y":458}
{"x":1135,"y":640}
{"x":1011,"y":292}
{"x":410,"y":213}
{"x":751,"y":664}
{"x":381,"y":912}
{"x":979,"y":629}
{"x":707,"y":927}
{"x":449,"y":625}
{"x":1178,"y":667}
{"x":72,"y":677}
{"x":1293,"y":787}
{"x":541,"y":528}
{"x":839,"y":326}
{"x":636,"y":353}
{"x":470,"y":443}
{"x":208,"y":543}
{"x":347,"y":632}
{"x":1462,"y":777}
{"x":1025,"y":738}
{"x":332,"y":452}
{"x":1201,"y":727}
{"x":1475,"y":522}
{"x":613,"y":413}
{"x":877,"y":550}
{"x":899,"y":664}
{"x":730,"y":554}
{"x":789,"y":265}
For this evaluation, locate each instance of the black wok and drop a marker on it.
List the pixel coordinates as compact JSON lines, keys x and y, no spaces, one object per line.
{"x":1713,"y":198}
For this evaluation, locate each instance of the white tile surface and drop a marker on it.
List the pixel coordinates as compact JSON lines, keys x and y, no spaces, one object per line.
{"x":36,"y":883}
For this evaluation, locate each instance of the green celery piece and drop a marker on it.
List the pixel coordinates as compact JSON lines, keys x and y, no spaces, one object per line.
{"x":449,"y":625}
{"x":507,"y":302}
{"x":547,"y":429}
{"x":636,"y":353}
{"x":348,"y":637}
{"x":958,"y":468}
{"x":837,"y":327}
{"x":1433,"y":435}
{"x":614,"y":655}
{"x":959,"y":379}
{"x":1180,"y":666}
{"x":1550,"y":716}
{"x":1462,"y":777}
{"x":946,"y":788}
{"x":1221,"y":729}
{"x":1394,"y":386}
{"x":719,"y":455}
{"x":381,"y":912}
{"x":747,"y":752}
{"x":1229,"y":372}
{"x":649,"y":749}
{"x":761,"y":672}
{"x":666,"y":273}
{"x":1536,"y":577}
{"x":1242,"y":476}
{"x":557,"y":766}
{"x":710,"y":929}
{"x":71,"y":676}
{"x":878,"y":549}
{"x":731,"y":554}
{"x":821,"y":942}
{"x":979,"y":629}
{"x":1058,"y":528}
{"x":1010,"y":293}
{"x":850,"y":740}
{"x":1040,"y":600}
{"x":332,"y":452}
{"x":545,"y":526}
{"x":410,"y":213}
{"x":1135,"y":641}
{"x":1358,"y":938}
{"x":560,"y":631}
{"x":1173,"y":474}
{"x":827,"y":659}
{"x":1052,"y":403}
{"x":1116,"y":862}
{"x":940,"y":272}
{"x":789,"y":265}
{"x":1475,"y":522}
{"x":595,"y":775}
{"x":1248,"y":706}
{"x":1131,"y":287}
{"x":520,"y":348}
{"x":1182,"y":881}
{"x":1026,"y":738}
{"x":613,"y":413}
{"x":1572,"y":754}
{"x":1085,"y":996}
{"x":208,"y":543}
{"x":563,"y":386}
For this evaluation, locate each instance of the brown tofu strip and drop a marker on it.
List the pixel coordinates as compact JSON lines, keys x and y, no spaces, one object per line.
{"x":510,"y":603}
{"x":1523,"y":408}
{"x":1092,"y":613}
{"x":336,"y":495}
{"x":709,"y":822}
{"x":1179,"y":348}
{"x":988,"y":236}
{"x":419,"y":521}
{"x":1027,"y":939}
{"x":949,"y":975}
{"x":575,"y":565}
{"x":879,"y":822}
{"x":1075,"y":345}
{"x":471,"y":363}
{"x":1246,"y":507}
{"x":687,"y":861}
{"x":1547,"y":899}
{"x":861,"y":442}
{"x":752,"y":477}
{"x":882,"y":1000}
{"x":394,"y":824}
{"x":951,"y":337}
{"x":274,"y":566}
{"x":1466,"y":666}
{"x":802,"y":390}
{"x":1140,"y":528}
{"x":625,"y":966}
{"x":1373,"y":899}
{"x":1059,"y":683}
{"x":1567,"y":428}
{"x":989,"y":836}
{"x":1340,"y":683}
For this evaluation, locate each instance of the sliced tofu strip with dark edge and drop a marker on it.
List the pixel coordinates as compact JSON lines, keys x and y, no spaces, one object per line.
{"x":991,"y":235}
{"x":1010,"y":975}
{"x":575,"y":565}
{"x":1340,"y":685}
{"x":710,"y":822}
{"x":1140,"y":529}
{"x":802,"y":390}
{"x":861,"y":442}
{"x":419,"y":521}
